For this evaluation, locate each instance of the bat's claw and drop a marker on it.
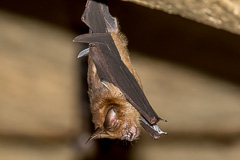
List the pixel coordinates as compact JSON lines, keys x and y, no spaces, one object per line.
{"x":156,"y":128}
{"x":83,"y":53}
{"x":153,"y":130}
{"x":105,"y":84}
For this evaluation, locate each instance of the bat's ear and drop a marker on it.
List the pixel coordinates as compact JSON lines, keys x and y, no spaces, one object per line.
{"x":96,"y":133}
{"x":111,"y":121}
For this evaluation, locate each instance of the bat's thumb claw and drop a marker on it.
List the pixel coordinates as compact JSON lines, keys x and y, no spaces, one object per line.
{"x":83,"y":53}
{"x":164,"y":120}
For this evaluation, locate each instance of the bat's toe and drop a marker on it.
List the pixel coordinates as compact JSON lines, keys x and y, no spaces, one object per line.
{"x":130,"y":133}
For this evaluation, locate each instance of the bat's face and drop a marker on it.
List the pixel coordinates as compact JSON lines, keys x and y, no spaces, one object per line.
{"x":114,"y":116}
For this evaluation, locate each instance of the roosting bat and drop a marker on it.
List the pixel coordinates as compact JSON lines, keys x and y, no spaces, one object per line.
{"x":118,"y":104}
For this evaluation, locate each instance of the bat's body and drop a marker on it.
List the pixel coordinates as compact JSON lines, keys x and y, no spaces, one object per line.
{"x":118,"y":104}
{"x":104,"y":95}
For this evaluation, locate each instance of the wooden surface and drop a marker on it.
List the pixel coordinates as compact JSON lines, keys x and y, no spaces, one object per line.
{"x":193,"y":102}
{"x":222,"y":14}
{"x":39,"y":111}
{"x":38,"y":73}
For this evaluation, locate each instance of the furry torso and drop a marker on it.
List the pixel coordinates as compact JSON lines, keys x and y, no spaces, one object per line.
{"x":103,"y":98}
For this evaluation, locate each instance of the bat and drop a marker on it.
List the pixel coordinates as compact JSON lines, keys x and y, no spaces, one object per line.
{"x":117,"y":102}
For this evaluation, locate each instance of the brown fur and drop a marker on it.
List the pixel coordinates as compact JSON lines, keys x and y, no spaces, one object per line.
{"x":101,"y":98}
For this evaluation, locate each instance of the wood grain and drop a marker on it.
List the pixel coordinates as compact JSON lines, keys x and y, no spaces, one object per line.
{"x":222,"y":14}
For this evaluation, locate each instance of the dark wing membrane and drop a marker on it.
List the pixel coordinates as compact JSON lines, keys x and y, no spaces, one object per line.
{"x":111,"y":68}
{"x":93,"y":17}
{"x":98,"y":38}
{"x":98,"y":18}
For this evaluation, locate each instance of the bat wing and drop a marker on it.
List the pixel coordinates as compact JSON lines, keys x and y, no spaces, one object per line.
{"x":97,"y":17}
{"x":111,"y":68}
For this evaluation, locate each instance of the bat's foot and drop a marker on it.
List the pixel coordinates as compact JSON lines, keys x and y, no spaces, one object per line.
{"x":131,"y":133}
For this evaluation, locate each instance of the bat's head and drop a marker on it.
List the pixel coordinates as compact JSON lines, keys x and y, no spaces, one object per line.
{"x":116,"y":119}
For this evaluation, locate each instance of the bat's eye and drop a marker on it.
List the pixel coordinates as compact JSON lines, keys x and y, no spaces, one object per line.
{"x":111,"y":122}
